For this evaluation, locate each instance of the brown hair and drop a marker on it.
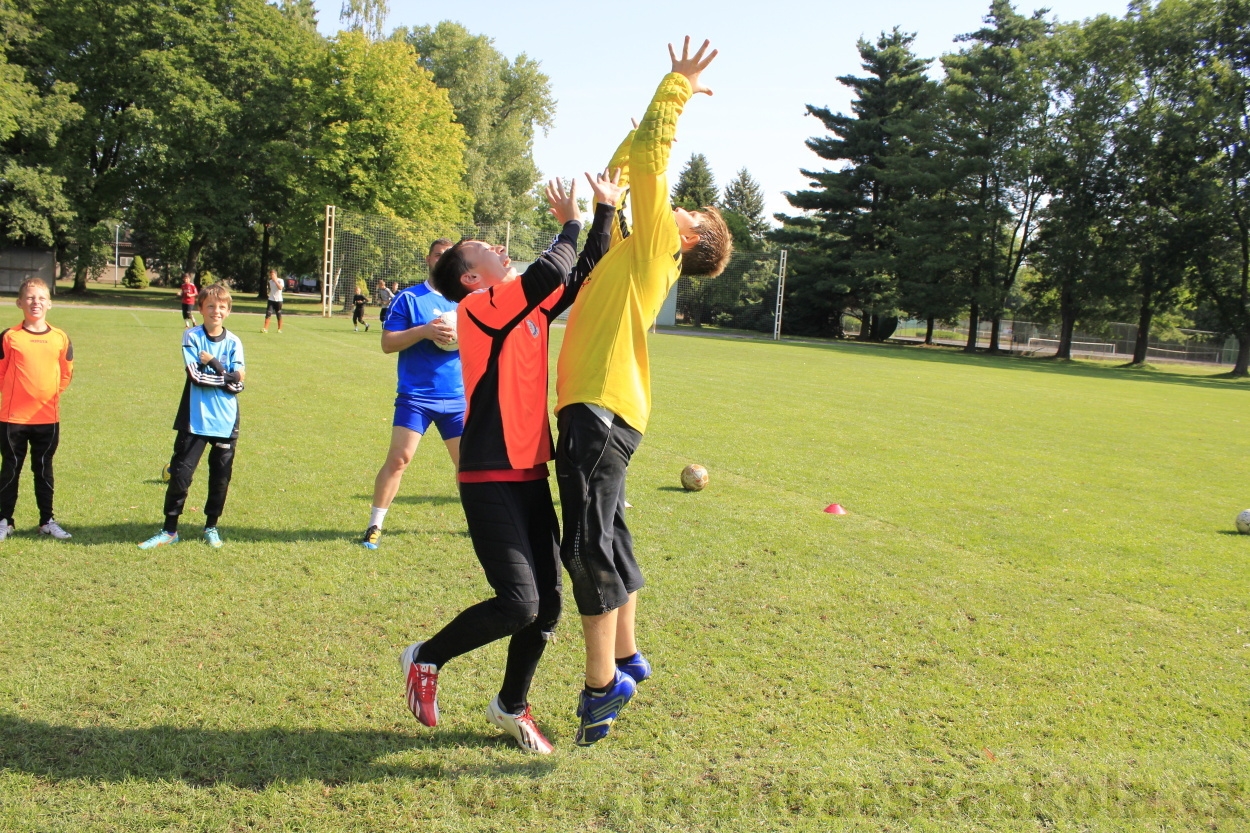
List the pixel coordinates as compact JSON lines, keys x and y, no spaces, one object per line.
{"x":215,"y":292}
{"x":710,"y":255}
{"x":21,"y":290}
{"x":442,"y":241}
{"x":447,"y":272}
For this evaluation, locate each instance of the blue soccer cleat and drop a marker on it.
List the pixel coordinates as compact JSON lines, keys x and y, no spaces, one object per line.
{"x":160,"y":539}
{"x":636,"y":667}
{"x":598,"y":713}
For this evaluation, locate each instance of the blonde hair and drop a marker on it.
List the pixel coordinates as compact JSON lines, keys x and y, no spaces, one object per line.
{"x":21,"y":290}
{"x":215,"y":292}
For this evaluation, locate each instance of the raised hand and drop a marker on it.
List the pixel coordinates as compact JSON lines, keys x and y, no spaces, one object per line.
{"x":563,"y":205}
{"x":692,"y":67}
{"x":607,"y":187}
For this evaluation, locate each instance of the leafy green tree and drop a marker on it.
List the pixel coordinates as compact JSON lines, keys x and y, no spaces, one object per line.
{"x":744,"y":201}
{"x":855,"y":211}
{"x":500,"y":103}
{"x":32,"y":200}
{"x":1081,"y":258}
{"x":998,"y":110}
{"x":136,"y":275}
{"x":1221,"y":92}
{"x":696,"y":187}
{"x":1160,"y":158}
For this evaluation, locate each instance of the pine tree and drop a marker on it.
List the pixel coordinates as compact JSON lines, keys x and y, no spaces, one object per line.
{"x":136,"y":276}
{"x":696,"y":187}
{"x":855,"y":211}
{"x":745,"y":198}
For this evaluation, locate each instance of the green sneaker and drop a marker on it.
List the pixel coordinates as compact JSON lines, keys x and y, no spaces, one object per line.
{"x":212,"y":537}
{"x":160,"y":539}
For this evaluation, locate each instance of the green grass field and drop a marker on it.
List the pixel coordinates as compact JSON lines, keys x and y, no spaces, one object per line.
{"x":1035,"y":616}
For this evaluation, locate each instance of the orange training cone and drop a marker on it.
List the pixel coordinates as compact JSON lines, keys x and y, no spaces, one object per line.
{"x":835,"y":509}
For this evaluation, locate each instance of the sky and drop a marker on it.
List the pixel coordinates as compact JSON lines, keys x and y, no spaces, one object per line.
{"x":776,"y":57}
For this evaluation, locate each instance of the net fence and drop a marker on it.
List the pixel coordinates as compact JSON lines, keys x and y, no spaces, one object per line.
{"x":367,"y":250}
{"x":743,"y":297}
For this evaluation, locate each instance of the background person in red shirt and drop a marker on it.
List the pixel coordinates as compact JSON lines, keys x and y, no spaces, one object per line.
{"x":187,"y":295}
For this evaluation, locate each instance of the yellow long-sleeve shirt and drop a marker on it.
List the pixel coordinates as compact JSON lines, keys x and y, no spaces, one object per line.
{"x":604,"y":360}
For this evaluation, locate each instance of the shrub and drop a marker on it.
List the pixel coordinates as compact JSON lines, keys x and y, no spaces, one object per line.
{"x":136,"y":276}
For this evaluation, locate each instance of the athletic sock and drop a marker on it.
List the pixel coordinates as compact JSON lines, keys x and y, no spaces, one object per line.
{"x":210,"y":521}
{"x":171,"y":524}
{"x":627,"y":660}
{"x":596,"y":692}
{"x":376,"y":516}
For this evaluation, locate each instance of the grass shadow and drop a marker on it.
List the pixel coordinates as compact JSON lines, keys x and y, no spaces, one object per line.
{"x":192,"y":527}
{"x":247,"y":759}
{"x":434,"y":500}
{"x":955,"y":355}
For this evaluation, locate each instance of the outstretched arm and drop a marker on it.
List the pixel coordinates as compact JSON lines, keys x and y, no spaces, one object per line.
{"x":650,"y":149}
{"x":608,"y":193}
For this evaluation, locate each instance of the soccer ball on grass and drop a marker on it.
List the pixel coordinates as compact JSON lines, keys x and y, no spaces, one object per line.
{"x":1243,"y":521}
{"x":693,"y":477}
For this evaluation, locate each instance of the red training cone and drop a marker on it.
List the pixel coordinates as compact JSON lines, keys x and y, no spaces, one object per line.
{"x":835,"y":509}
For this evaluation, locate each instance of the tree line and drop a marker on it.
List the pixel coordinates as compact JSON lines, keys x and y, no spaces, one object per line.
{"x":1075,"y":173}
{"x":217,"y":132}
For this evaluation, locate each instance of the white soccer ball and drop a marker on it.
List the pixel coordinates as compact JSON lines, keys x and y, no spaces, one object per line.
{"x":450,"y":318}
{"x":1243,"y":522}
{"x":693,"y":478}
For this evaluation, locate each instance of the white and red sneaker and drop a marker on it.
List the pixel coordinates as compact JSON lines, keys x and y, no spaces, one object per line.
{"x":421,"y":681}
{"x":520,"y":726}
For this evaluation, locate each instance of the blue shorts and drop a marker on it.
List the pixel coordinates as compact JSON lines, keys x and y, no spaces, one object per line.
{"x":416,"y":413}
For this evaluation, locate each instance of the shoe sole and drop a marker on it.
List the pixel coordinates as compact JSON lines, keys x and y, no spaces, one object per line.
{"x":368,"y":546}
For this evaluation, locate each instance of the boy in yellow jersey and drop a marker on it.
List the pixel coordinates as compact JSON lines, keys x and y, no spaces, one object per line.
{"x":604,"y":391}
{"x":36,"y":365}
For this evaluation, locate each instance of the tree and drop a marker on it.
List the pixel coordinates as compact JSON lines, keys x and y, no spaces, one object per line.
{"x":500,"y":103}
{"x":1082,"y":262}
{"x":696,"y":187}
{"x":32,"y":200}
{"x":855,"y":211}
{"x":998,"y":108}
{"x":136,"y":276}
{"x":1221,"y":91}
{"x":744,"y":201}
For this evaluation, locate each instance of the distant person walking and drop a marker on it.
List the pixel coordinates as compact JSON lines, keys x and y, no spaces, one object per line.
{"x":187,"y":295}
{"x":274,"y":307}
{"x":385,"y":296}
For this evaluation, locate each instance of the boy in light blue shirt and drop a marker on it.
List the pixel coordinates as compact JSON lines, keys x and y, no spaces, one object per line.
{"x":208,"y":417}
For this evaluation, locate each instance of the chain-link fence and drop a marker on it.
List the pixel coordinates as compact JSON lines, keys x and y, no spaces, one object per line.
{"x":1115,"y":340}
{"x":365,"y":250}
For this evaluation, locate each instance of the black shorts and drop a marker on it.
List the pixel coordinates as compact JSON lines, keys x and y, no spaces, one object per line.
{"x":273,"y":308}
{"x":597,"y":549}
{"x":186,"y":310}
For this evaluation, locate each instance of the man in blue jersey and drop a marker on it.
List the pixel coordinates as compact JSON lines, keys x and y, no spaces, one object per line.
{"x":208,"y":417}
{"x":430,"y":389}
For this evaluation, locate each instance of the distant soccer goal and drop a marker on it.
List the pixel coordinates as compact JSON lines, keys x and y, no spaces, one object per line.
{"x":363,"y":251}
{"x":1038,"y":346}
{"x":744,"y":296}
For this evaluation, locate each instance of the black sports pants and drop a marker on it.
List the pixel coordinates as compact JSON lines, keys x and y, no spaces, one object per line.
{"x":188,"y":448}
{"x":42,"y":440}
{"x":598,"y":550}
{"x":517,"y":540}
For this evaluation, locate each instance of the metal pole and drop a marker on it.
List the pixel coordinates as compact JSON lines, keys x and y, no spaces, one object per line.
{"x":781,"y":295}
{"x":507,"y":236}
{"x":117,"y":246}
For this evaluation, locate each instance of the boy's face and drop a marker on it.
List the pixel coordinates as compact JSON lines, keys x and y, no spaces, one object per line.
{"x":488,"y":265}
{"x":214,"y":311}
{"x":34,"y":303}
{"x":688,"y":223}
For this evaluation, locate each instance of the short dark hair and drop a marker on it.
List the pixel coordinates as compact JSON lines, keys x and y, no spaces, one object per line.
{"x":711,"y":254}
{"x":448,"y":271}
{"x":442,"y":241}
